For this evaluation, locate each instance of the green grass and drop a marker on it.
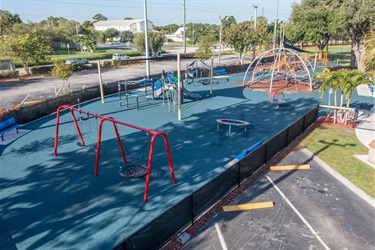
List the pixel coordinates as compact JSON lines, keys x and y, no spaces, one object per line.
{"x":337,"y":147}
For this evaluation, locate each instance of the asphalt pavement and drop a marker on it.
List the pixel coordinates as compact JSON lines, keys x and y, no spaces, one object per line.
{"x":313,"y":209}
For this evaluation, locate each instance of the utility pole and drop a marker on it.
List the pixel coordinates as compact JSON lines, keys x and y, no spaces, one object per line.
{"x":220,"y":41}
{"x":274,"y":30}
{"x":184,"y":27}
{"x":255,"y":27}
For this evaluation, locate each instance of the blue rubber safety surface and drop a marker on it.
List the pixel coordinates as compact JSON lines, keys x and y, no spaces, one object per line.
{"x":57,"y":203}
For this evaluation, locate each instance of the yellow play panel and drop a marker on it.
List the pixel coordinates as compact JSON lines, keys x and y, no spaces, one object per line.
{"x":289,"y":167}
{"x":249,"y":206}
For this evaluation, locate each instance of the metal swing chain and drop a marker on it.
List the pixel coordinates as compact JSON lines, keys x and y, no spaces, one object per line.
{"x":141,"y":155}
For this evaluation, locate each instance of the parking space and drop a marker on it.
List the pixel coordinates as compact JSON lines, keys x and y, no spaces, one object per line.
{"x":312,"y":210}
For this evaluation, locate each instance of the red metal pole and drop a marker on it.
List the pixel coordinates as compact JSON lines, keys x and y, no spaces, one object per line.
{"x":119,"y":142}
{"x":57,"y":131}
{"x":98,"y":147}
{"x":148,"y":175}
{"x":77,"y":127}
{"x":169,"y":156}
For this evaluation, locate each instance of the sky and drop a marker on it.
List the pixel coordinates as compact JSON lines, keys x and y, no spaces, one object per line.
{"x":160,"y":12}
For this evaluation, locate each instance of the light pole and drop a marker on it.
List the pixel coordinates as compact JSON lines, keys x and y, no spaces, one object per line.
{"x":184,"y":27}
{"x":255,"y":28}
{"x":274,"y":30}
{"x":146,"y":42}
{"x":221,"y":35}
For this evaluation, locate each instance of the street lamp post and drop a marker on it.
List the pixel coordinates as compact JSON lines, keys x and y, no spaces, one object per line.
{"x":275,"y":24}
{"x":220,"y":41}
{"x":221,"y":36}
{"x":184,"y":27}
{"x":146,"y":42}
{"x":255,"y":27}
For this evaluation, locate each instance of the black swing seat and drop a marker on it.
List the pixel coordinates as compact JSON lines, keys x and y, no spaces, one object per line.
{"x":134,"y":170}
{"x":8,"y":125}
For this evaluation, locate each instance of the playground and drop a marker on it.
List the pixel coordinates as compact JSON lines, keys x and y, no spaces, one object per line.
{"x":65,"y":183}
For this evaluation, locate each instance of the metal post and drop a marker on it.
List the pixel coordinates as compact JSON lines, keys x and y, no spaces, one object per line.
{"x":255,"y":27}
{"x":274,"y":30}
{"x":100,"y":83}
{"x":179,"y":85}
{"x":184,"y":27}
{"x":221,"y":32}
{"x":146,"y":41}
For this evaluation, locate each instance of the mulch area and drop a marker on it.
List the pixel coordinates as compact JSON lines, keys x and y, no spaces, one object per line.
{"x":193,"y":229}
{"x":282,"y":85}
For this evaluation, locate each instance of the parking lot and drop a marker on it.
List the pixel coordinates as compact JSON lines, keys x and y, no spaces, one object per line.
{"x":312,"y":210}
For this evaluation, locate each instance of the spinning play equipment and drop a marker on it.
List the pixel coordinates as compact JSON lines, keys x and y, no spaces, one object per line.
{"x":115,"y":123}
{"x":232,"y":122}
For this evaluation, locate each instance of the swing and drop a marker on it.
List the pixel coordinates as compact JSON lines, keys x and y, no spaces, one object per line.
{"x":80,"y":118}
{"x":134,"y":169}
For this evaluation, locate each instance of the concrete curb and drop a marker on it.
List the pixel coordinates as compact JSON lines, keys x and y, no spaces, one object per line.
{"x":339,"y":177}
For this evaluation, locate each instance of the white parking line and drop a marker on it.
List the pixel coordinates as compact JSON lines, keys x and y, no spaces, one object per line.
{"x":222,"y":242}
{"x":299,"y":214}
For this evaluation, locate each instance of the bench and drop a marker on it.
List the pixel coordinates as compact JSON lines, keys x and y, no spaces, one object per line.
{"x":221,"y":73}
{"x":7,"y":126}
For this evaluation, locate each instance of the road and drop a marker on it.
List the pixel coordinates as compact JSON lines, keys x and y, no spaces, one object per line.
{"x":39,"y":88}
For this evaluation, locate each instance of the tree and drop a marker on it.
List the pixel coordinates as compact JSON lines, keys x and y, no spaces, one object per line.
{"x":87,"y":24}
{"x":369,"y":52}
{"x":111,"y":33}
{"x":344,"y":80}
{"x":27,"y":44}
{"x":227,"y":21}
{"x":358,"y":18}
{"x":167,"y":29}
{"x":85,"y":41}
{"x":313,"y":20}
{"x":204,"y":51}
{"x":99,"y":17}
{"x":127,"y":35}
{"x":241,"y":37}
{"x":62,"y":72}
{"x":155,"y":41}
{"x":139,"y":42}
{"x":7,"y":20}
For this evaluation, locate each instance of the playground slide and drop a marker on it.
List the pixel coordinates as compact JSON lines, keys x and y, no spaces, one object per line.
{"x":157,"y":88}
{"x":190,"y":94}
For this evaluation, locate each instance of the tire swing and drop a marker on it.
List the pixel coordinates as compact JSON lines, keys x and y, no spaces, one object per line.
{"x":135,"y":169}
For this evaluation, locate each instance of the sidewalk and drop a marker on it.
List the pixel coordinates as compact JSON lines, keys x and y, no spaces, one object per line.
{"x":365,"y":132}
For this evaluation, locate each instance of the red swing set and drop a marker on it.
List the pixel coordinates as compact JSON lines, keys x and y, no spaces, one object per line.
{"x":115,"y":123}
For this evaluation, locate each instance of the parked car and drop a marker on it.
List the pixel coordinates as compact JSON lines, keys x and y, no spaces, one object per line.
{"x":119,"y":57}
{"x":77,"y":61}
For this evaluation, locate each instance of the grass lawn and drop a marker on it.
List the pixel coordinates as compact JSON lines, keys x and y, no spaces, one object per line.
{"x":337,"y":147}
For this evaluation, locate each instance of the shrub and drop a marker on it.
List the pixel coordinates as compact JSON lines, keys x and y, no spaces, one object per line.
{"x":9,"y":74}
{"x":41,"y":70}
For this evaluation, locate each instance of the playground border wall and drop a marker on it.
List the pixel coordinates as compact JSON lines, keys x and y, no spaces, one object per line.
{"x":158,"y":232}
{"x":24,"y":114}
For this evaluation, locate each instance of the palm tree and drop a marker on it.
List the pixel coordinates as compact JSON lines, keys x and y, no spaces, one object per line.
{"x":369,"y":52}
{"x":351,"y":79}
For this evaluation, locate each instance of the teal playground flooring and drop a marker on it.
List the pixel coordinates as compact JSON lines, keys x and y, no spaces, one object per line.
{"x":49,"y":202}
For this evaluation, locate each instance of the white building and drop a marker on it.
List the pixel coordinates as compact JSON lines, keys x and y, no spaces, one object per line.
{"x":178,"y":36}
{"x":135,"y":25}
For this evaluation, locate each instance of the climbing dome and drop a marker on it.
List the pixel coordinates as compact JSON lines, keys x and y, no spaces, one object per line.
{"x":280,"y":64}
